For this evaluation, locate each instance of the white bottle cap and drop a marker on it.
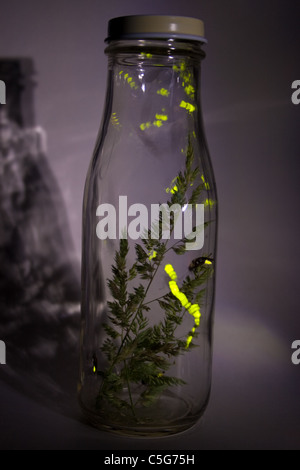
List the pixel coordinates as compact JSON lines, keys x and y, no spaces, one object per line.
{"x":156,"y":27}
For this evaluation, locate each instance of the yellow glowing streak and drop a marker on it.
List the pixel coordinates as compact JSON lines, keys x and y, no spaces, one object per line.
{"x":209,"y":203}
{"x":174,"y":189}
{"x":128,"y":80}
{"x":188,"y":106}
{"x":205,"y":183}
{"x":190,"y":90}
{"x":161,"y":117}
{"x":153,"y":255}
{"x":163,"y":92}
{"x":147,"y":56}
{"x":145,"y":125}
{"x":193,"y":310}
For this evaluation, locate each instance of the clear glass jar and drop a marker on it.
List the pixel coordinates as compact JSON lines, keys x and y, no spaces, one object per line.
{"x":149,"y":237}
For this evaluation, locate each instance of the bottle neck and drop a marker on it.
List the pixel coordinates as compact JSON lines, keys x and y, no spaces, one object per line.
{"x":160,"y":47}
{"x":153,"y":83}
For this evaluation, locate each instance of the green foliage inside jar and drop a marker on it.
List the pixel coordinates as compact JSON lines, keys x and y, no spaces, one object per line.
{"x":138,"y":355}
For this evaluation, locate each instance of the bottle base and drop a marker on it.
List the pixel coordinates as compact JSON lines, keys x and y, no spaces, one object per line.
{"x":171,"y":415}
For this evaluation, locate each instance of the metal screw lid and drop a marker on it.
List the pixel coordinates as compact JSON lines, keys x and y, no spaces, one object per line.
{"x":156,"y":27}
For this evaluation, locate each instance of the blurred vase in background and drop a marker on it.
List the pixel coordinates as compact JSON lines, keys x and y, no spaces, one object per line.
{"x":39,"y":276}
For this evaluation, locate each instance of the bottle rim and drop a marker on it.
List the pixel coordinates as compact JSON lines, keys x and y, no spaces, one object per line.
{"x":156,"y":27}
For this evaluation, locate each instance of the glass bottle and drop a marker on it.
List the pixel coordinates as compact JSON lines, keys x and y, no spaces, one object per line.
{"x":149,"y":236}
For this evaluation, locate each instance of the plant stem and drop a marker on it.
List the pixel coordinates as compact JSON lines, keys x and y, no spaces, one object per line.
{"x":155,"y":300}
{"x":129,"y":390}
{"x":127,"y":334}
{"x":135,"y":316}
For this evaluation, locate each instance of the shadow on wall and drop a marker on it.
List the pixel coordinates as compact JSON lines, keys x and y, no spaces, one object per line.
{"x":39,"y":279}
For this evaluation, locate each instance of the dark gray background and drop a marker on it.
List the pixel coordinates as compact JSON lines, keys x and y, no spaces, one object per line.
{"x":253,"y":133}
